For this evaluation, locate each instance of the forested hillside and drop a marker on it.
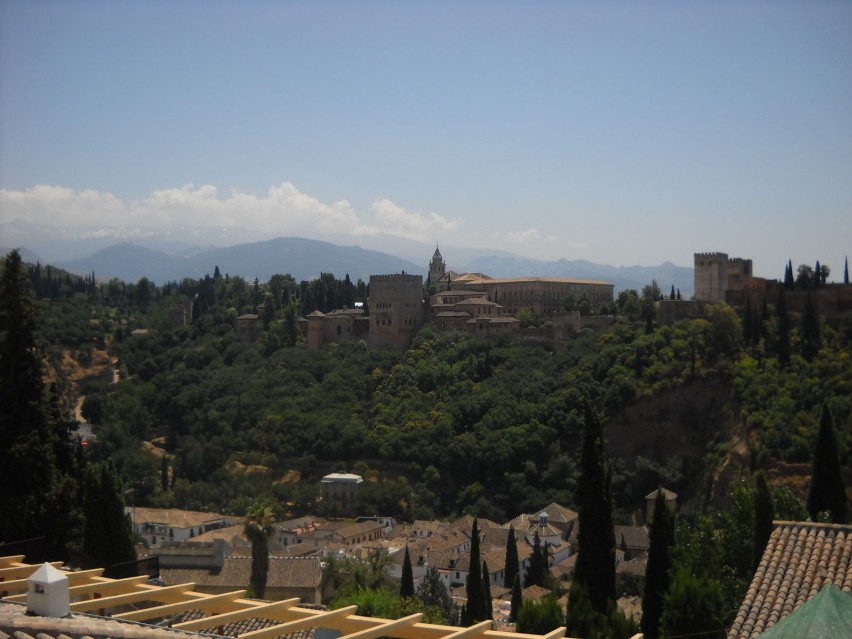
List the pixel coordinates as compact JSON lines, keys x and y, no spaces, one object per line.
{"x":454,"y":425}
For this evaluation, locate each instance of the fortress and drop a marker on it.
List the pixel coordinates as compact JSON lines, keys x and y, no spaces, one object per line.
{"x":398,"y":308}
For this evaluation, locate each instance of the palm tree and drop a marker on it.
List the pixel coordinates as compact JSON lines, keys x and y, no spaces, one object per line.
{"x":258,"y":526}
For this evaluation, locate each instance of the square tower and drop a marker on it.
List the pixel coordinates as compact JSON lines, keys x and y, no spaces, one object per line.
{"x":396,"y":310}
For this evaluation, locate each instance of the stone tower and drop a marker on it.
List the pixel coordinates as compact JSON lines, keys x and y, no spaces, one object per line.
{"x":711,"y":276}
{"x":396,"y":310}
{"x":437,"y":267}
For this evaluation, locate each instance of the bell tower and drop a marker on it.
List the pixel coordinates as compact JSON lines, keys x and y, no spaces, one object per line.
{"x":437,"y":267}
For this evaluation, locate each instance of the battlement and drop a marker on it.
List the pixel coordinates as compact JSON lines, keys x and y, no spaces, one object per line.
{"x":397,"y":277}
{"x":711,"y":256}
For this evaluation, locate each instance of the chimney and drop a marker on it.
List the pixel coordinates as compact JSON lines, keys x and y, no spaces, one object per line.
{"x":47,"y":592}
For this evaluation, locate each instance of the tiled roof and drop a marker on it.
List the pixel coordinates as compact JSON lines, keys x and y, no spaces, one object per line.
{"x":15,"y":622}
{"x":243,"y":626}
{"x":667,"y":494}
{"x":284,"y":572}
{"x":172,"y":516}
{"x":634,"y":537}
{"x":231,"y":534}
{"x":800,"y":558}
{"x":560,"y":514}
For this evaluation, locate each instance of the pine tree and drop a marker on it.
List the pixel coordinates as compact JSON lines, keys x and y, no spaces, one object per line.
{"x":486,"y":591}
{"x":433,"y":592}
{"x":827,"y":491}
{"x":764,"y":512}
{"x":475,"y":600}
{"x":657,"y":569}
{"x":517,"y":597}
{"x":596,"y":553}
{"x":512,"y":562}
{"x":406,"y":584}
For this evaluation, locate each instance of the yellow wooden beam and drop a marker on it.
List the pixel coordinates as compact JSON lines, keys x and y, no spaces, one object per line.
{"x":263,"y":611}
{"x":154,"y":593}
{"x":7,"y":560}
{"x":10,"y":573}
{"x":385,"y":628}
{"x":327,"y":619}
{"x":74,"y":579}
{"x":195,"y":601}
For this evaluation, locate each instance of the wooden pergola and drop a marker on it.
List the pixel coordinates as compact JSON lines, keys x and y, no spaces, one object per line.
{"x":90,"y":592}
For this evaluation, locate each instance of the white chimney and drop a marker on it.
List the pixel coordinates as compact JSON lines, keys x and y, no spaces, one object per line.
{"x":47,"y":592}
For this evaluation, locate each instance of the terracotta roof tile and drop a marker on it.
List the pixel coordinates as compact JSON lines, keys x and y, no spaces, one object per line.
{"x":800,"y":558}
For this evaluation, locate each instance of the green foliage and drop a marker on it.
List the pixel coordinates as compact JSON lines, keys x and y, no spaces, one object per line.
{"x":108,"y":534}
{"x":434,"y":594}
{"x":583,"y":620}
{"x":406,"y":584}
{"x":693,"y":605}
{"x":512,"y":567}
{"x":827,"y":491}
{"x":517,"y":597}
{"x":539,"y":617}
{"x":596,"y":552}
{"x":258,"y":526}
{"x":661,"y":538}
{"x":477,"y":608}
{"x":385,"y":603}
{"x":764,"y":513}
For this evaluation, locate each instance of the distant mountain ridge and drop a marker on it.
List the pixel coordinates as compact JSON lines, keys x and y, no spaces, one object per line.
{"x":171,"y":254}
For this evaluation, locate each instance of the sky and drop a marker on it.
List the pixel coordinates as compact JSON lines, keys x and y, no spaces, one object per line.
{"x":617,"y":132}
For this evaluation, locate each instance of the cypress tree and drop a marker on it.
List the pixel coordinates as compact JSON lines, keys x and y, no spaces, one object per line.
{"x":486,"y":590}
{"x":827,"y":490}
{"x":108,"y":532}
{"x":475,"y":599}
{"x":764,"y":512}
{"x":517,"y":598}
{"x":789,"y":281}
{"x":29,"y":439}
{"x":406,"y":585}
{"x":783,"y":330}
{"x":811,"y":340}
{"x":596,"y":553}
{"x":512,"y":562}
{"x":538,"y":561}
{"x":657,"y":569}
{"x":846,"y":271}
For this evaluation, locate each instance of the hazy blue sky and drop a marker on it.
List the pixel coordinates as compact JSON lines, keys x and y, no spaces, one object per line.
{"x":622,"y":133}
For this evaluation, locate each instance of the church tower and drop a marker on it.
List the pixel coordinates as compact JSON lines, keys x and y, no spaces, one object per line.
{"x":437,"y":267}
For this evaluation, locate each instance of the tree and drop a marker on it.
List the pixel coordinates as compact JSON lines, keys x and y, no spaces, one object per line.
{"x":539,"y":617}
{"x":805,"y":277}
{"x":657,"y":569}
{"x":406,"y":584}
{"x":595,"y":567}
{"x":846,"y":271}
{"x":788,"y":275}
{"x":433,"y":592}
{"x":258,"y":526}
{"x":486,"y":590}
{"x":475,"y":594}
{"x":517,"y":597}
{"x":512,"y":562}
{"x":764,"y":511}
{"x":827,"y":492}
{"x":783,"y":330}
{"x":108,"y":532}
{"x":810,"y":331}
{"x":694,"y":606}
{"x":537,"y":570}
{"x":648,"y":305}
{"x":29,"y":437}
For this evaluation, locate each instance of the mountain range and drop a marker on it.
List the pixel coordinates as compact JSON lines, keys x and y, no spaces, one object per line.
{"x":161,"y":255}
